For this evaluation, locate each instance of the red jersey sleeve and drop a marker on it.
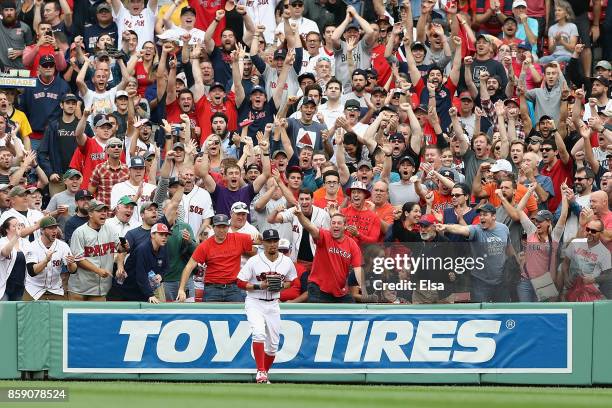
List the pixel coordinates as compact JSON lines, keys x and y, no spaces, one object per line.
{"x":356,"y":254}
{"x":246,"y":242}
{"x":419,"y":88}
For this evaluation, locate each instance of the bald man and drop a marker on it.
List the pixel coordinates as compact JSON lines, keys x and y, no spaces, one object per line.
{"x":601,"y":211}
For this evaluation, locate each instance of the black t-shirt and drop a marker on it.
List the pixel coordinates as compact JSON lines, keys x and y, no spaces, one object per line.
{"x":401,"y":234}
{"x":15,"y":283}
{"x":66,"y":142}
{"x":305,"y":252}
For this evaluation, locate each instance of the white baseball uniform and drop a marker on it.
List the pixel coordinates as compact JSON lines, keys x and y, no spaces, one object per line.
{"x":49,"y":279}
{"x":261,"y":306}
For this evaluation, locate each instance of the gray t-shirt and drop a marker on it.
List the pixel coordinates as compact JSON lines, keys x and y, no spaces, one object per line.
{"x":400,"y":193}
{"x":16,"y":38}
{"x":471,"y":165}
{"x":568,"y":31}
{"x":494,"y":242}
{"x":362,"y":57}
{"x":99,"y":248}
{"x":63,"y":198}
{"x":515,"y":228}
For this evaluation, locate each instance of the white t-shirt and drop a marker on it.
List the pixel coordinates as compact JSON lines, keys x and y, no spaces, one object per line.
{"x":197,"y":206}
{"x":305,"y":25}
{"x":248,"y":229}
{"x":143,"y":24}
{"x":16,"y":142}
{"x":197,"y":35}
{"x":100,"y":102}
{"x":259,"y":266}
{"x":141,"y":148}
{"x":128,"y":189}
{"x":330,"y":114}
{"x":122,"y":227}
{"x":26,"y":221}
{"x":48,"y":279}
{"x":262,"y":13}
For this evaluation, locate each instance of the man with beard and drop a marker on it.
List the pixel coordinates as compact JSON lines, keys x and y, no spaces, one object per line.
{"x":101,"y":100}
{"x":490,"y":92}
{"x":109,"y":173}
{"x":217,"y":101}
{"x":218,"y":127}
{"x":558,"y":169}
{"x":409,"y":188}
{"x":599,"y":91}
{"x":196,"y":202}
{"x":81,"y":215}
{"x":94,"y":246}
{"x":134,"y":186}
{"x":359,"y":50}
{"x":435,"y":88}
{"x":14,"y":36}
{"x":140,"y":141}
{"x":136,"y":17}
{"x":220,"y":56}
{"x":122,"y":221}
{"x":41,"y":103}
{"x":493,"y":239}
{"x":358,"y":88}
{"x":362,"y":223}
{"x":529,"y":174}
{"x":501,"y":169}
{"x":62,"y":205}
{"x":547,"y":99}
{"x":332,"y":109}
{"x":509,"y":29}
{"x":305,"y":131}
{"x":27,"y":217}
{"x":45,"y":262}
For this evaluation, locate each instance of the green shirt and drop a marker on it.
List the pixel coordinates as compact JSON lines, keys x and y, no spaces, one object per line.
{"x":179,"y":251}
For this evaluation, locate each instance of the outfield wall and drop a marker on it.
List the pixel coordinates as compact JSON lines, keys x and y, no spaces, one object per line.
{"x":532,"y":344}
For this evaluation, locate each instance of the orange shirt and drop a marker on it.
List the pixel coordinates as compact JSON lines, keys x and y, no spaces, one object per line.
{"x":319,"y":198}
{"x":521,"y":190}
{"x":441,"y":202}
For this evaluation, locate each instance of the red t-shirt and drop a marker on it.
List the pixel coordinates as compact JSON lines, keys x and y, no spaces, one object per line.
{"x":205,"y":13}
{"x":330,"y":267}
{"x":558,"y":173}
{"x":222,"y":260}
{"x":295,"y":289}
{"x":173,"y":114}
{"x":380,"y":64}
{"x":205,"y":109}
{"x":366,"y":221}
{"x":86,"y":158}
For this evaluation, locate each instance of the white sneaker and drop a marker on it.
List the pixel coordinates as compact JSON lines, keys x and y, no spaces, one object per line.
{"x":261,"y":377}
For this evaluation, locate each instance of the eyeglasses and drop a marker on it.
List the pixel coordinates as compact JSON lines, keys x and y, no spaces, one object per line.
{"x":592,"y":231}
{"x":545,"y":149}
{"x":457,"y":195}
{"x":581,"y":178}
{"x":115,"y":146}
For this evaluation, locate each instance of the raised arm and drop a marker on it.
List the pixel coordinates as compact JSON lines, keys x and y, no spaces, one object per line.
{"x":237,"y":78}
{"x":80,"y":79}
{"x":456,"y":68}
{"x":312,"y":229}
{"x":209,"y":43}
{"x":277,"y":96}
{"x":79,"y":132}
{"x":343,"y":170}
{"x":261,"y":180}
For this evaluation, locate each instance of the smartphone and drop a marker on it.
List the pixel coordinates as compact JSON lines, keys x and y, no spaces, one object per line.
{"x":123,"y":241}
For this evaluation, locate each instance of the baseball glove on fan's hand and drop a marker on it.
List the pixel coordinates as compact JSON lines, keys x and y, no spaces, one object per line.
{"x":275,"y":283}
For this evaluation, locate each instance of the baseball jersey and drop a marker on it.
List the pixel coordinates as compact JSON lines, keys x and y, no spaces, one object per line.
{"x":99,"y":248}
{"x":197,"y":205}
{"x":128,"y":189}
{"x":142,"y":24}
{"x":87,"y":157}
{"x":42,"y":103}
{"x":258,"y":267}
{"x":27,"y":220}
{"x":330,"y":267}
{"x":319,"y":218}
{"x":48,"y":279}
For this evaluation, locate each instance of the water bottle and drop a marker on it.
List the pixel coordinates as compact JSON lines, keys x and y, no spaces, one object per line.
{"x":152,"y":282}
{"x":198,"y":283}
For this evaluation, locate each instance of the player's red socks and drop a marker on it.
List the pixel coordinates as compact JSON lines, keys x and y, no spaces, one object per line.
{"x":260,"y":355}
{"x":268,"y":361}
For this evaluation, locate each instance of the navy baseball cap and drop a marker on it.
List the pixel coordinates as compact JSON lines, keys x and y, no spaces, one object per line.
{"x":188,"y":9}
{"x":83,"y":194}
{"x":69,"y":97}
{"x":220,"y":219}
{"x":306,"y":75}
{"x":257,"y":88}
{"x":217,"y":85}
{"x":280,"y":53}
{"x":46,"y":59}
{"x":270,"y":235}
{"x":309,"y":100}
{"x":137,"y":162}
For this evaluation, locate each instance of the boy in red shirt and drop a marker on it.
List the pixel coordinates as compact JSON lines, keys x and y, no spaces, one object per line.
{"x":362,"y":223}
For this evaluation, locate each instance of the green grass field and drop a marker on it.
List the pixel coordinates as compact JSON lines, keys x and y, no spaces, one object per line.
{"x":119,"y":394}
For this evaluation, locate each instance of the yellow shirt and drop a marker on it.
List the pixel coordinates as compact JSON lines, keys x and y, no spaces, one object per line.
{"x":24,"y":124}
{"x":176,"y":16}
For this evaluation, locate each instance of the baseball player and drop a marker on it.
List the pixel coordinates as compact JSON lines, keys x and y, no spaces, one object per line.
{"x":263,"y":277}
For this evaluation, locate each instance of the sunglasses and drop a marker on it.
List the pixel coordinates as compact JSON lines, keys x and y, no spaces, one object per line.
{"x":48,"y":65}
{"x":581,"y":178}
{"x":592,"y":231}
{"x":150,"y":158}
{"x":351,"y":109}
{"x":115,"y":146}
{"x":298,"y":5}
{"x":215,"y":142}
{"x":457,"y":195}
{"x":545,"y":149}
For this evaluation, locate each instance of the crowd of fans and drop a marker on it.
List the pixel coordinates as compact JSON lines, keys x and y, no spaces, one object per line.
{"x":160,"y":140}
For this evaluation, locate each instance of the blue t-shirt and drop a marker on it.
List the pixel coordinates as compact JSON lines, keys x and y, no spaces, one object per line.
{"x":260,"y":118}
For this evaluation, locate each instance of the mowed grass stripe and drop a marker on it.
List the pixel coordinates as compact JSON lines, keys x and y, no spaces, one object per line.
{"x":118,"y":394}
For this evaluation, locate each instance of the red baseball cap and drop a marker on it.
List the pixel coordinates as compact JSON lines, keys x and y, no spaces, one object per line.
{"x":427,"y":220}
{"x":160,"y":228}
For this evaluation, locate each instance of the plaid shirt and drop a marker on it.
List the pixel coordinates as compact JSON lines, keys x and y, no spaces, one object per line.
{"x":104,"y":177}
{"x":489,"y":109}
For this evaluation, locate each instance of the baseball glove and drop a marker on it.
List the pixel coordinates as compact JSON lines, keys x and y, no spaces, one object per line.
{"x":275,"y":283}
